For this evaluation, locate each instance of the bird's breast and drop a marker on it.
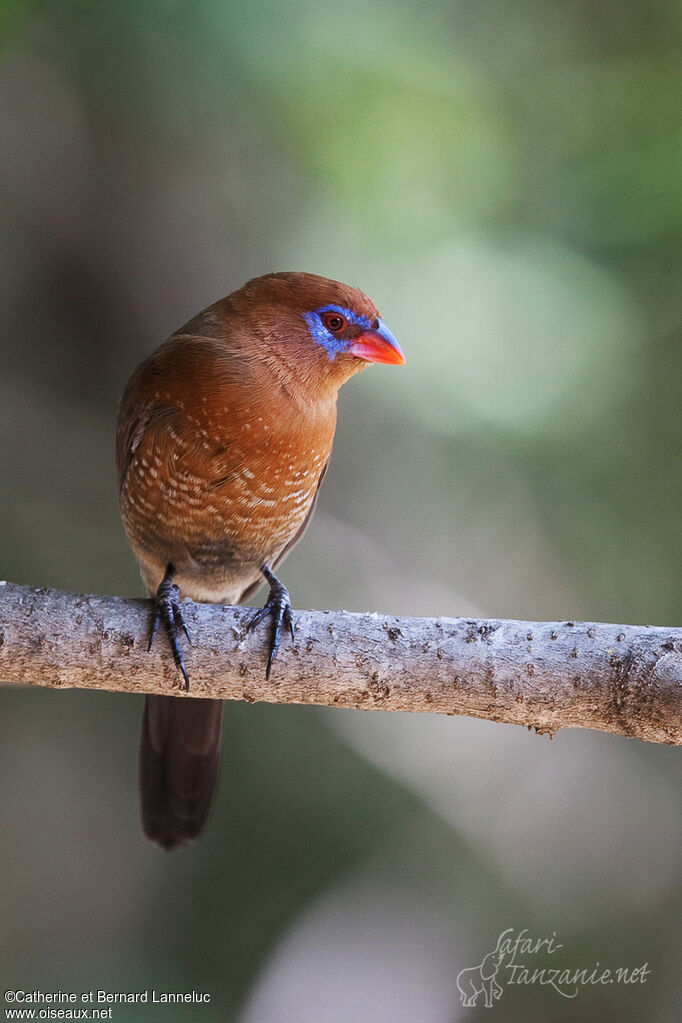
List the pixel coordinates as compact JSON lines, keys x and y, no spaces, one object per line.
{"x":218,"y":490}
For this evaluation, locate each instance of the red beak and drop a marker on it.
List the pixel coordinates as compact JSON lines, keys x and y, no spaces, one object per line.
{"x":378,"y":346}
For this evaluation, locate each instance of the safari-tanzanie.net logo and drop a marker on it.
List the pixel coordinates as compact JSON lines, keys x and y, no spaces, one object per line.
{"x":521,"y":960}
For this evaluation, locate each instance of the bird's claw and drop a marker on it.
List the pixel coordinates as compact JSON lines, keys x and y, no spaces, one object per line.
{"x":278,"y":605}
{"x":167,"y":610}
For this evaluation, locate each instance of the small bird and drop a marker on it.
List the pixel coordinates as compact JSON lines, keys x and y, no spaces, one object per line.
{"x":224,"y":434}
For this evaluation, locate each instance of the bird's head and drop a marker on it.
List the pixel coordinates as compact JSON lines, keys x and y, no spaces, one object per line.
{"x":324,"y":330}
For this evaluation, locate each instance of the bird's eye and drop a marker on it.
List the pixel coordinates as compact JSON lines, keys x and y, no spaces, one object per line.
{"x":375,"y":325}
{"x":333,"y":321}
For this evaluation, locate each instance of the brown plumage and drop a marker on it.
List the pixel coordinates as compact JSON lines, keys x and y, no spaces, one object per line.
{"x":224,"y":434}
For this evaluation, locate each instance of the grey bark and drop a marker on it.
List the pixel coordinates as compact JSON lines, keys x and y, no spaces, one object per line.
{"x":547,"y":675}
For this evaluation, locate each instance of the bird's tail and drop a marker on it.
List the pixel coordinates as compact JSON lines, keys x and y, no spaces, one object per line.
{"x":179,"y":758}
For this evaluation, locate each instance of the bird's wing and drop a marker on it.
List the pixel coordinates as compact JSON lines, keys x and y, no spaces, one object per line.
{"x":155,"y":411}
{"x":141,"y":424}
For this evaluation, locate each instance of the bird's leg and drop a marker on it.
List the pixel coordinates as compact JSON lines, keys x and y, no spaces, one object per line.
{"x":167,"y":610}
{"x":279,"y":605}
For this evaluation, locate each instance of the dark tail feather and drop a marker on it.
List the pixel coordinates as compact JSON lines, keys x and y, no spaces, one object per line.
{"x":179,"y":757}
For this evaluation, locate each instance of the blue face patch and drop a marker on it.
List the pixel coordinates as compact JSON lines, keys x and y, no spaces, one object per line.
{"x":321,"y":336}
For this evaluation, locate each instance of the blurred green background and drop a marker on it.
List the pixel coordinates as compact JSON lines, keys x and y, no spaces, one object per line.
{"x":504,"y":180}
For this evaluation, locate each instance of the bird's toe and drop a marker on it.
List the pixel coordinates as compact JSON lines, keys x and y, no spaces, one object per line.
{"x":167,"y":610}
{"x":278,"y":606}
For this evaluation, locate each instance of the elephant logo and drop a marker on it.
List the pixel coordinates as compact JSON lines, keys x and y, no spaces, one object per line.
{"x":480,"y":980}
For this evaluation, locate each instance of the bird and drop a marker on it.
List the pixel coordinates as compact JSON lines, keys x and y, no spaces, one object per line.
{"x":223,"y":437}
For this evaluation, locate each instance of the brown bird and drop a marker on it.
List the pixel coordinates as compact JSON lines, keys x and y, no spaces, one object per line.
{"x":224,"y":435}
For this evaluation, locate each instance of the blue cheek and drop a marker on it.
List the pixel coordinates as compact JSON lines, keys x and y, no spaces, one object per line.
{"x":321,"y":336}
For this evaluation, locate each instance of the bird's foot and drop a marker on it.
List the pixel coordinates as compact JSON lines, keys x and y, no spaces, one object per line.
{"x":167,"y":610}
{"x":278,"y":605}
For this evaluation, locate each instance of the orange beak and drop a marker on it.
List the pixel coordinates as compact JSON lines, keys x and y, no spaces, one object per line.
{"x":378,"y":346}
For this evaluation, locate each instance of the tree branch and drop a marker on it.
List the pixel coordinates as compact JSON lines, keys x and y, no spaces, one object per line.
{"x":547,"y":675}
